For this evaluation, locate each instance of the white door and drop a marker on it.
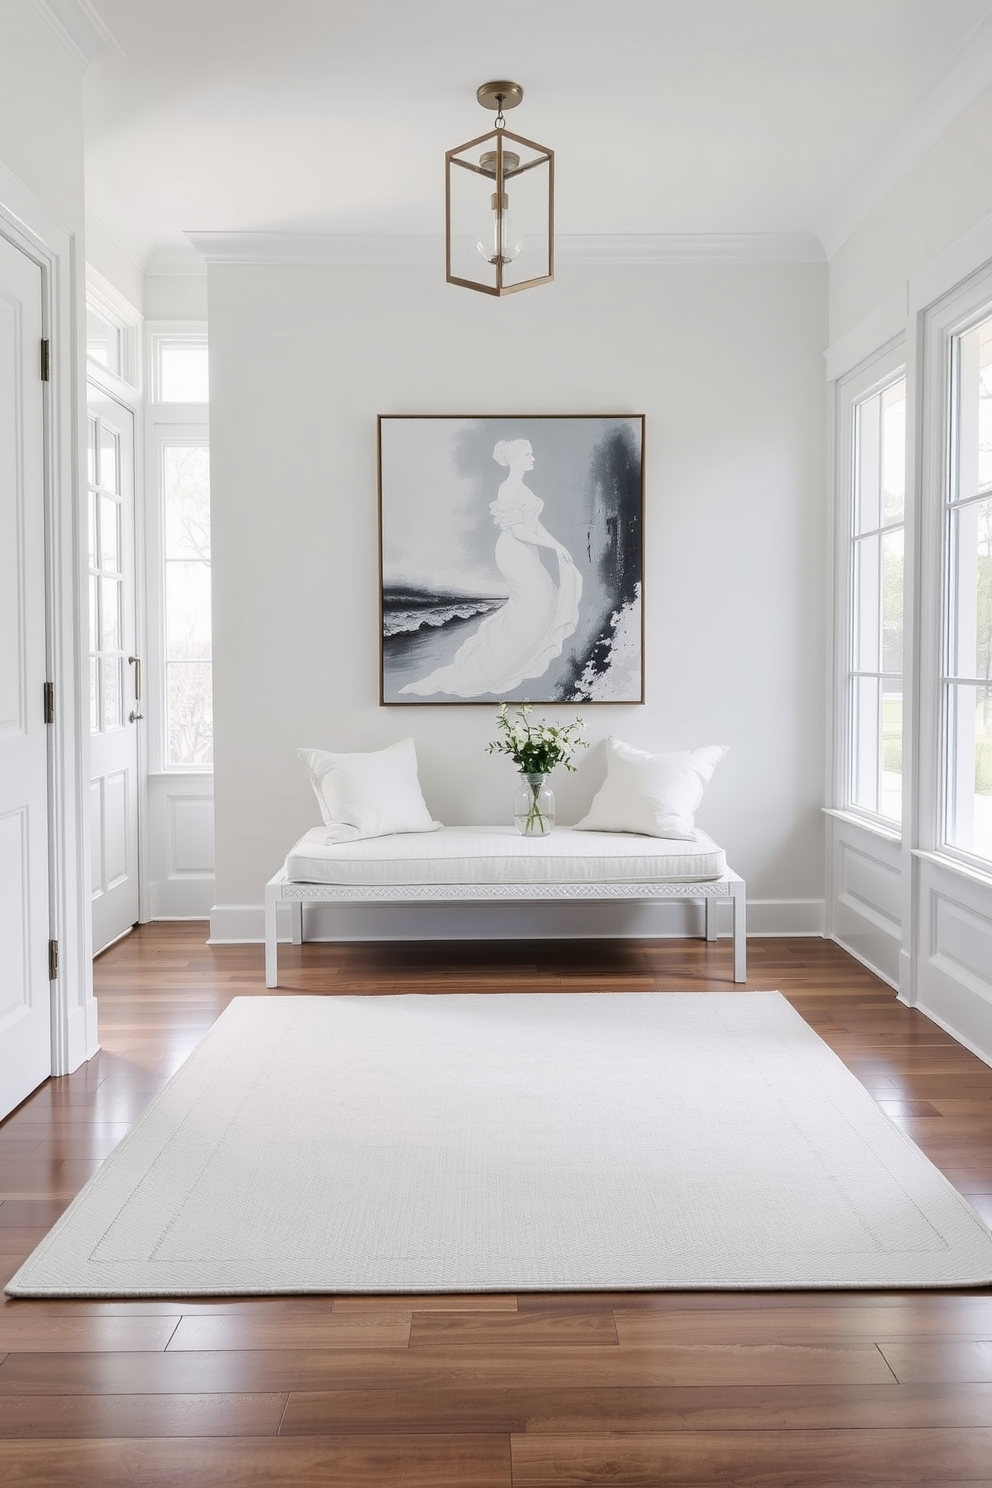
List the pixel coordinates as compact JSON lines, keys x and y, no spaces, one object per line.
{"x":25,"y":989}
{"x":116,"y":706}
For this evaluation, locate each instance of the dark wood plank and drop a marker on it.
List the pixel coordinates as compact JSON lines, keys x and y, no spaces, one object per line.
{"x":512,"y":1329}
{"x":639,"y":1408}
{"x":796,"y":1457}
{"x":455,"y":1461}
{"x":239,"y":1371}
{"x":245,"y":1330}
{"x":31,"y":1417}
{"x":36,"y":1332}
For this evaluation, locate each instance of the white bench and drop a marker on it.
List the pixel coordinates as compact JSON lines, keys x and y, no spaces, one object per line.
{"x":485,"y":865}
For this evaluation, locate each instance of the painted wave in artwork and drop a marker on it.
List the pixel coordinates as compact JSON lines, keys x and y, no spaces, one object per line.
{"x":407,"y":611}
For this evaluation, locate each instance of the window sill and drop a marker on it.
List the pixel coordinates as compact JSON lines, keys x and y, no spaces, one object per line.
{"x":183,"y":772}
{"x":982,"y":876}
{"x":865,"y":823}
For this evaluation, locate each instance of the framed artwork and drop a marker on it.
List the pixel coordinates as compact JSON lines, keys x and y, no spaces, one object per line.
{"x":511,"y":559}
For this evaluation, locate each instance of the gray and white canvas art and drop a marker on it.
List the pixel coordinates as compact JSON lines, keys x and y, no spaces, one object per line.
{"x":511,"y":559}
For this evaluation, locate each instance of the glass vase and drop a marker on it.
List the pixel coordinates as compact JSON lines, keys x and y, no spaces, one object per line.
{"x":534,"y":806}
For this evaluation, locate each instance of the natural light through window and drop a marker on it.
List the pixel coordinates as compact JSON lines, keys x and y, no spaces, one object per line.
{"x":189,"y":713}
{"x":182,"y":371}
{"x":967,"y":683}
{"x":876,"y":575}
{"x":103,"y":341}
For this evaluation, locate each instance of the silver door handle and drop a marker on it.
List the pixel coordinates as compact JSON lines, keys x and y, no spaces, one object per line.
{"x":133,"y":717}
{"x":135,"y":661}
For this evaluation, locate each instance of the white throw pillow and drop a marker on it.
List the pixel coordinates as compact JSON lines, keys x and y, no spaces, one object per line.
{"x":368,"y":795}
{"x":654,"y":794}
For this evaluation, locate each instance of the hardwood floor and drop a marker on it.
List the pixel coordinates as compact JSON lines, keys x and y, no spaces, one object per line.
{"x":535,"y":1391}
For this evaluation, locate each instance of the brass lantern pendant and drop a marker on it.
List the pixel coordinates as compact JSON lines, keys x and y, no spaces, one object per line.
{"x":499,"y":205}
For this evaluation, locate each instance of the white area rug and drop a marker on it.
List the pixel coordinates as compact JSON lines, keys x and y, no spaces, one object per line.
{"x":510,"y":1142}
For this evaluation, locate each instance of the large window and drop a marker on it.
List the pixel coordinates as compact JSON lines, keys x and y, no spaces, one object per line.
{"x":185,"y":478}
{"x":877,"y":467}
{"x":179,"y":548}
{"x":966,"y":682}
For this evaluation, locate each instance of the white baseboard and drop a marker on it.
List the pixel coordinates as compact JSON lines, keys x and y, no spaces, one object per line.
{"x":187,"y":897}
{"x":865,"y":962}
{"x":782,"y":917}
{"x":244,"y":924}
{"x":965,"y":1015}
{"x":81,"y":1041}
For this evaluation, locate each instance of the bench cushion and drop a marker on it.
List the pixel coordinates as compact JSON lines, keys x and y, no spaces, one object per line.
{"x":486,"y":855}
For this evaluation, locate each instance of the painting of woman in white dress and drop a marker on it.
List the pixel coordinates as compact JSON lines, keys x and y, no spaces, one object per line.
{"x":511,"y":566}
{"x":519,"y":641}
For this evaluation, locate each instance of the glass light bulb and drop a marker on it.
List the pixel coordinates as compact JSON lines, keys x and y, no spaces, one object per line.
{"x":500,"y":242}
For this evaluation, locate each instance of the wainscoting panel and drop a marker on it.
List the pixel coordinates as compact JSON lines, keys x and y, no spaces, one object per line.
{"x":954,"y":953}
{"x":180,"y":846}
{"x":865,"y":908}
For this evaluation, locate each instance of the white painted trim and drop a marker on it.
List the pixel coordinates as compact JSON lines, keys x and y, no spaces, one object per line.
{"x":27,"y":222}
{"x":863,"y":961}
{"x":81,"y":30}
{"x":868,"y":824}
{"x":942,"y":321}
{"x":177,"y":893}
{"x":113,"y":306}
{"x":945,"y":273}
{"x":666,"y":248}
{"x":968,"y":871}
{"x":177,"y":261}
{"x":427,"y":250}
{"x":244,"y":924}
{"x":982,"y":1052}
{"x":869,"y":336}
{"x":969,"y":71}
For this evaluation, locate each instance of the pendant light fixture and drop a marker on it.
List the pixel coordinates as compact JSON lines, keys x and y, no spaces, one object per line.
{"x":499,"y":205}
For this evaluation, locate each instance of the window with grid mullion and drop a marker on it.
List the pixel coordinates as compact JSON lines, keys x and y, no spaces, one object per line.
{"x":966,"y":681}
{"x":876,"y":551}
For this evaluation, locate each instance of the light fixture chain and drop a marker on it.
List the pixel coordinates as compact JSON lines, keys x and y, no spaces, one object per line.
{"x":500,"y":121}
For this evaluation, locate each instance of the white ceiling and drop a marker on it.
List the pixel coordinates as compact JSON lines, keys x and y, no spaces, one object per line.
{"x":666,"y":116}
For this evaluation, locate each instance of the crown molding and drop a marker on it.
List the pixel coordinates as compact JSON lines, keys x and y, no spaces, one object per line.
{"x":969,"y":71}
{"x":181,"y":261}
{"x":427,"y":250}
{"x":687,"y":248}
{"x":80,"y":30}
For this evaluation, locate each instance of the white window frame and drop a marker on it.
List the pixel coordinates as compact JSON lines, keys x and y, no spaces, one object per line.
{"x":171,"y":333}
{"x":102,"y":297}
{"x":949,"y":317}
{"x":869,"y":378}
{"x":165,"y":423}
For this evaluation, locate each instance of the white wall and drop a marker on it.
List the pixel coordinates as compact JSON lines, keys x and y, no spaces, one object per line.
{"x":176,"y":296}
{"x":725,"y":361}
{"x":947,"y":190}
{"x":41,"y":112}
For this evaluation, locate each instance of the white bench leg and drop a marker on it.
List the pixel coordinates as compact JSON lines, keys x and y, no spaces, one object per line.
{"x":739,"y":891}
{"x":297,"y":921}
{"x":710,"y":911}
{"x":271,"y":944}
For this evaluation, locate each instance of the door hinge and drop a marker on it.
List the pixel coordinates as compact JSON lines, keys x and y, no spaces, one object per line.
{"x":46,"y":360}
{"x":53,"y":960}
{"x":49,"y":702}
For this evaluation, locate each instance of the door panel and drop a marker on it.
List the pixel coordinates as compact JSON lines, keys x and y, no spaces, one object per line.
{"x":25,"y":990}
{"x":114,"y":706}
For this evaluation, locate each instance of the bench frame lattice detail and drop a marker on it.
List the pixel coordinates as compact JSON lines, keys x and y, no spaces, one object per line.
{"x":279,"y":890}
